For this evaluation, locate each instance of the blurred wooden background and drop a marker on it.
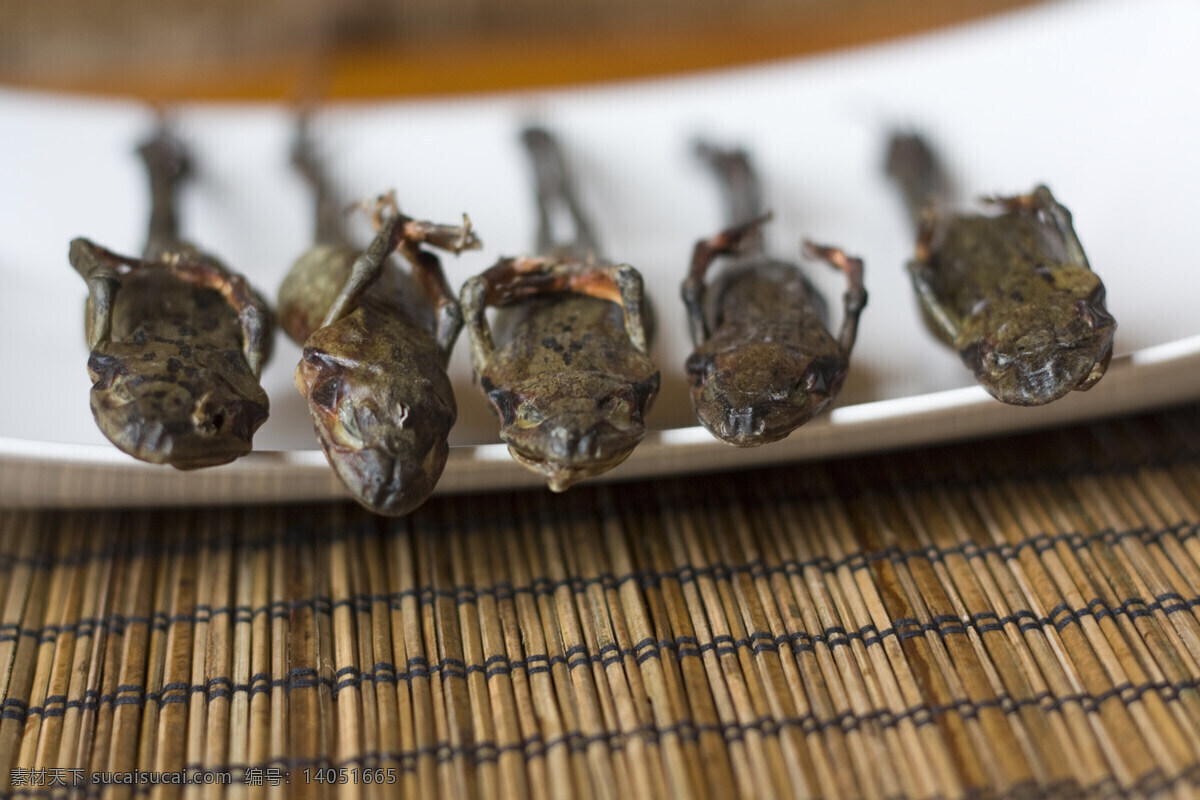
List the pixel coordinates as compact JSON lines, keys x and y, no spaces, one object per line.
{"x":268,"y":49}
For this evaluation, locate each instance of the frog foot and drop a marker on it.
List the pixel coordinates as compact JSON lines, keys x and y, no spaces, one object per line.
{"x":1036,"y":201}
{"x":451,"y":238}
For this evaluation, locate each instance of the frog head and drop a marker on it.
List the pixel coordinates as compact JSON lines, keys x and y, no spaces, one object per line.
{"x":1032,"y":354}
{"x":760,"y":392}
{"x":185,"y":406}
{"x":572,"y":426}
{"x":383,"y":430}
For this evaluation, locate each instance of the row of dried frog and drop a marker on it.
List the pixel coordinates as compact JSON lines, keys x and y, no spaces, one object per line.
{"x":178,"y":341}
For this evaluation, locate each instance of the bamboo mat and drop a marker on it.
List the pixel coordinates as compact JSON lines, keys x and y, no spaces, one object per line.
{"x":1010,"y":618}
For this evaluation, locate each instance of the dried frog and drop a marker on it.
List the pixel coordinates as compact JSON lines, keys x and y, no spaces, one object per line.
{"x":1013,"y":293}
{"x":571,"y":378}
{"x":764,"y":361}
{"x":376,"y":344}
{"x":177,"y":341}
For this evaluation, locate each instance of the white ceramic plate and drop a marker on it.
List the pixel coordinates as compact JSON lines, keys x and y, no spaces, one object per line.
{"x":1095,"y":98}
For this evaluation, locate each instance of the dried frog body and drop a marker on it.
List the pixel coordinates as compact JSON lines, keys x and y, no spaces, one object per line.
{"x":177,"y":341}
{"x":566,"y":367}
{"x":764,"y":362}
{"x":1012,"y":293}
{"x":376,"y":344}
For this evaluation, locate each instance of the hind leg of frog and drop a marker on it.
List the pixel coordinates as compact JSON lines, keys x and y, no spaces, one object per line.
{"x":727,"y":242}
{"x":104,"y":270}
{"x":855,"y":298}
{"x":167,"y":165}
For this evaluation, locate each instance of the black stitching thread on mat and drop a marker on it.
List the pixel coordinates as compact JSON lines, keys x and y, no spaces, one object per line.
{"x":419,"y":667}
{"x":1060,"y":617}
{"x":645,"y":578}
{"x":903,"y":627}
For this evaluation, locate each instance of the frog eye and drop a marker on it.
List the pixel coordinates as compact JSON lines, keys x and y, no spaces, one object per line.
{"x":823,"y":376}
{"x":700,"y":366}
{"x":325,"y":394}
{"x":103,"y":369}
{"x":529,"y":415}
{"x":503,"y":400}
{"x":1092,"y":310}
{"x":618,"y":412}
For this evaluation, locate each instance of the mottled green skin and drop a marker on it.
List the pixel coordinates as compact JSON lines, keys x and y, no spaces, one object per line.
{"x":1014,"y":295}
{"x":171,"y":385}
{"x":568,"y":385}
{"x":769,"y":363}
{"x":375,"y":380}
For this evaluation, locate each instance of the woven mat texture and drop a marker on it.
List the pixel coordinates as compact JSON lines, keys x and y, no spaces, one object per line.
{"x":1009,"y":618}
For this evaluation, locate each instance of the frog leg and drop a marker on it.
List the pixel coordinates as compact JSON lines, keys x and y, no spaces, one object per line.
{"x":727,"y":242}
{"x":617,"y":283}
{"x":855,"y":298}
{"x":366,"y":270}
{"x":1062,"y":220}
{"x":504,"y":283}
{"x":329,"y":224}
{"x":167,"y":165}
{"x":427,"y":269}
{"x":396,"y":231}
{"x":508,"y":281}
{"x":254,"y":315}
{"x":944,"y":322}
{"x":102,"y":269}
{"x":632,"y":291}
{"x":1041,"y":201}
{"x":512,"y":280}
{"x":556,"y":192}
{"x":741,"y":187}
{"x":474,"y":303}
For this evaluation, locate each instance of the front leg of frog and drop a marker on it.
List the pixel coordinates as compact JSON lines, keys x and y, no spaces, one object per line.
{"x":396,"y":231}
{"x":473,"y":301}
{"x":254,"y":315}
{"x":944,"y":321}
{"x":102,"y":269}
{"x":515,"y":279}
{"x":1042,"y":201}
{"x":727,"y":242}
{"x":855,"y":298}
{"x":366,"y":270}
{"x":506,"y":282}
{"x":427,"y":269}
